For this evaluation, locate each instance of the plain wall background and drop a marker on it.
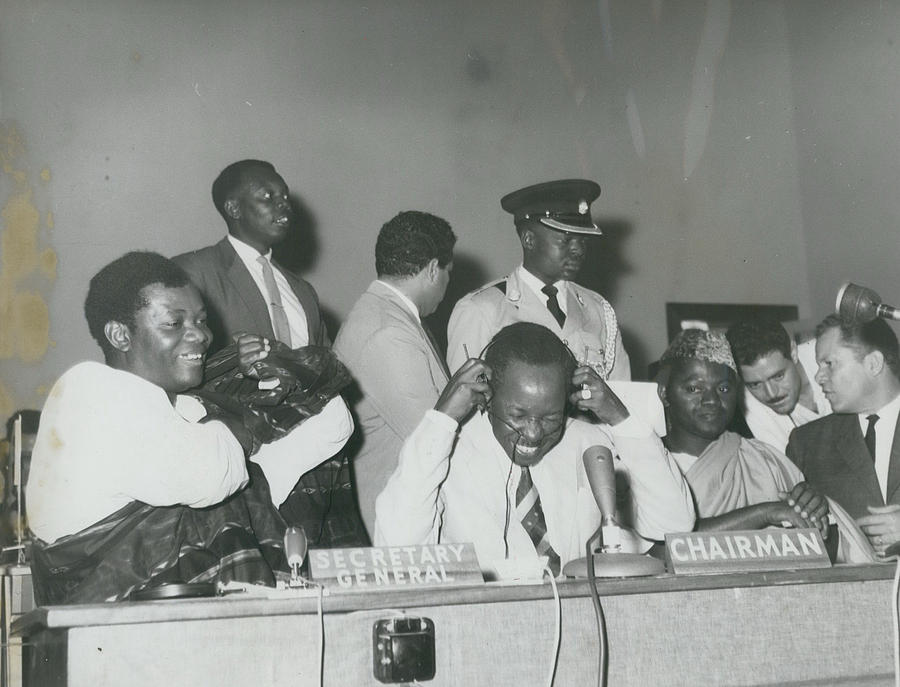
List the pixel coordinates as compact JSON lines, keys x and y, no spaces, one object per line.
{"x":747,"y":151}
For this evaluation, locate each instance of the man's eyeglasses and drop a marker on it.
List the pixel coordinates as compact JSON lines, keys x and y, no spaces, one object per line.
{"x":549,"y":428}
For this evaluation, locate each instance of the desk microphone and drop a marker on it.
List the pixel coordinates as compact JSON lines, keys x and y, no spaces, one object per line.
{"x":601,"y":473}
{"x":295,"y":546}
{"x":859,"y":304}
{"x":604,"y":557}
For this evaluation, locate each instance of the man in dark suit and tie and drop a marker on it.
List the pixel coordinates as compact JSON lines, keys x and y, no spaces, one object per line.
{"x":389,"y":349}
{"x":252,"y":300}
{"x":853,"y":456}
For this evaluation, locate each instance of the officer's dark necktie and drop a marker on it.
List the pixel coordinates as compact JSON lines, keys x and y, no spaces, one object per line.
{"x":529,"y":511}
{"x":870,"y":435}
{"x":280,"y":326}
{"x":553,"y":305}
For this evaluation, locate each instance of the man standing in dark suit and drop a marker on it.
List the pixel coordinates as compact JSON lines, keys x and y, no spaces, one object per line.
{"x":853,"y":456}
{"x":253,"y":300}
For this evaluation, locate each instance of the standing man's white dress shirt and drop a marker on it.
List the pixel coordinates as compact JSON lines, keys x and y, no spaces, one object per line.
{"x":292,"y":308}
{"x":885,"y":428}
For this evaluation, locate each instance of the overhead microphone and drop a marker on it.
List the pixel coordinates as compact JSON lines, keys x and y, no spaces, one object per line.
{"x":604,"y":557}
{"x":860,"y":304}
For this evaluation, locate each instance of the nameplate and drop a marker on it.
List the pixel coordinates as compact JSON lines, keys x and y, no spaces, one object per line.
{"x":745,"y":551}
{"x":395,"y":567}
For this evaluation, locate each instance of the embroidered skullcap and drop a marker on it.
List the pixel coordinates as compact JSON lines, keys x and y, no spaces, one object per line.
{"x":700,"y":344}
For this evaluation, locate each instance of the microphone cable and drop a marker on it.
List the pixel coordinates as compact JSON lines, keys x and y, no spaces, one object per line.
{"x":895,"y":615}
{"x":321,"y":613}
{"x":603,"y":649}
{"x":557,"y":636}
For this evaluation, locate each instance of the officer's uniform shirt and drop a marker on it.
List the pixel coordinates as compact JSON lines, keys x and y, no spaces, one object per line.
{"x":590,"y":330}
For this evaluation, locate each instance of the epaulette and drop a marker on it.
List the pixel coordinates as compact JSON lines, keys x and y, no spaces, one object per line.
{"x":500,"y":285}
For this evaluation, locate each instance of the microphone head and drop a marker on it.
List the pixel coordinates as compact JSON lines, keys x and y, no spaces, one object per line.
{"x":295,"y":545}
{"x":856,"y":303}
{"x":601,"y":474}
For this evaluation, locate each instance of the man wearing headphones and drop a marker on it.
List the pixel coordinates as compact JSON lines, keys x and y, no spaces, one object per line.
{"x":499,"y":461}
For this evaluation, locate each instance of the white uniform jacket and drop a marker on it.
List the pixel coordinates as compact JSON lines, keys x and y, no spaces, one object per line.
{"x":590,"y":325}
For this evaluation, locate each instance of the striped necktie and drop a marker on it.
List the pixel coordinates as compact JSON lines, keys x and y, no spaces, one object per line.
{"x":279,"y":317}
{"x":529,"y":511}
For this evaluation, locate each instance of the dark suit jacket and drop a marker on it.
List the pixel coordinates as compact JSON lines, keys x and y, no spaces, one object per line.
{"x":234,"y":302}
{"x":832,"y":454}
{"x":322,"y":502}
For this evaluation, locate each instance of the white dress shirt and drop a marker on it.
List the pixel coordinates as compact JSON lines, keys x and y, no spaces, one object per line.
{"x":295,"y":314}
{"x":460,"y":486}
{"x":884,"y":439}
{"x":535,"y":284}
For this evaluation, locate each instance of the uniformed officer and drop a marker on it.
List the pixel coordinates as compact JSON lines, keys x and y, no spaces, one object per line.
{"x":553,"y":220}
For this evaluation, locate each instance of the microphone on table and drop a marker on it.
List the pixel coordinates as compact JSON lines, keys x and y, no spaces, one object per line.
{"x":860,"y":304}
{"x":604,"y":548}
{"x":295,"y":547}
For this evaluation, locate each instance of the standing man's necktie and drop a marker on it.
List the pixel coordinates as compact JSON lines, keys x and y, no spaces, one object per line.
{"x":870,"y":435}
{"x":529,"y":511}
{"x":553,"y":305}
{"x":279,"y":318}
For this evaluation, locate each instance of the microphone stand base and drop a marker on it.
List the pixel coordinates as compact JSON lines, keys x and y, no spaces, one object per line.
{"x":616,"y":565}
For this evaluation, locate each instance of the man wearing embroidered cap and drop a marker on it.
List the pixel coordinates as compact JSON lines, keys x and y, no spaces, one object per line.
{"x":553,"y":220}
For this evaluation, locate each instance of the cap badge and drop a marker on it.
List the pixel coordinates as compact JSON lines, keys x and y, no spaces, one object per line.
{"x":582,"y":207}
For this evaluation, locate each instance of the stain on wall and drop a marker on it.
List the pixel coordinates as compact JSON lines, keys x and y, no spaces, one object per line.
{"x":27,"y":268}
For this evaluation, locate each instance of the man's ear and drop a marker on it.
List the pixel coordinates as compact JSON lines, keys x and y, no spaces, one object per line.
{"x":432,"y":269}
{"x":794,"y":357}
{"x":874,"y":362}
{"x":232,"y":208}
{"x":526,"y":237}
{"x":119,"y":335}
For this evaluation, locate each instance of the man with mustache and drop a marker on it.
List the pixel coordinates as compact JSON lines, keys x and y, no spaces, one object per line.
{"x":553,"y":221}
{"x":499,"y":460}
{"x":253,"y":300}
{"x":852,"y":455}
{"x":132,"y":483}
{"x":780,"y":391}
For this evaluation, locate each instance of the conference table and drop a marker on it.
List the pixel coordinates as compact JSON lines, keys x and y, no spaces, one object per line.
{"x":816,"y":627}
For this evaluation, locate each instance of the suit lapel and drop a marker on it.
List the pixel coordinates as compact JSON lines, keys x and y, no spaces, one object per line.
{"x":246,"y":290}
{"x":438,"y":359}
{"x":851,"y":447}
{"x":894,"y":468}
